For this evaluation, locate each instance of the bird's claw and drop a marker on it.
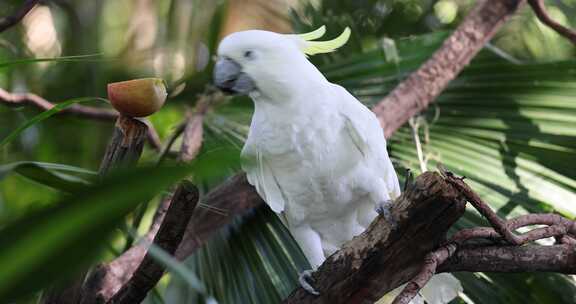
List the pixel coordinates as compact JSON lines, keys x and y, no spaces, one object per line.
{"x":385,"y":210}
{"x":303,"y":280}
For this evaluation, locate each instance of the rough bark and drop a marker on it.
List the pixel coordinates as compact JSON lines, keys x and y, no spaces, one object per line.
{"x":126,"y":145}
{"x":527,"y":258}
{"x":502,"y":231}
{"x":539,"y":9}
{"x":415,"y":93}
{"x":381,"y":259}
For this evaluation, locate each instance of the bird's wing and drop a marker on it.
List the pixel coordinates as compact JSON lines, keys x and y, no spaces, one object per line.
{"x":261,"y":176}
{"x":368,"y":137}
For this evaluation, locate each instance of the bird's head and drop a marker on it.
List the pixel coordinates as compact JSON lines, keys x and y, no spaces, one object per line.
{"x":270,"y":63}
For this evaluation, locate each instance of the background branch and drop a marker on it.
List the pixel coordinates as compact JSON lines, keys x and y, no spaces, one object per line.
{"x":9,"y":21}
{"x":20,"y":99}
{"x":423,"y":85}
{"x":193,"y":131}
{"x":527,"y":258}
{"x":539,"y":9}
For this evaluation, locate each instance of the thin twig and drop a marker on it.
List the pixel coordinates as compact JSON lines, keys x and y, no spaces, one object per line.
{"x":9,"y":21}
{"x":126,"y":145}
{"x":539,"y":9}
{"x":484,"y":209}
{"x":20,"y":99}
{"x":512,"y":259}
{"x":170,"y":142}
{"x":194,"y":130}
{"x":489,"y":233}
{"x":431,"y":262}
{"x":543,"y":219}
{"x":421,"y":87}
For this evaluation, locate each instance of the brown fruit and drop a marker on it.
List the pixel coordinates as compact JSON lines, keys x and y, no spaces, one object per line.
{"x":138,"y":97}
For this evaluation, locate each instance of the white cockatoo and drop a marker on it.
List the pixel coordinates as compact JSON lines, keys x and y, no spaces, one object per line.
{"x":314,"y":153}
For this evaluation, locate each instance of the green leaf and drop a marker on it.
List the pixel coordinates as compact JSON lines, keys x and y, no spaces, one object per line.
{"x":76,"y":58}
{"x":49,"y":245}
{"x":57,"y":108}
{"x":62,"y":177}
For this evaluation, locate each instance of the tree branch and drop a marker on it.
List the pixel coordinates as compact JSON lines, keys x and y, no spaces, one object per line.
{"x":104,"y":281}
{"x":168,"y":238}
{"x":559,"y":227}
{"x":126,"y":145}
{"x":20,"y":99}
{"x":422,"y":86}
{"x":9,"y":21}
{"x":528,"y":258}
{"x":539,"y":9}
{"x":381,"y":259}
{"x":431,"y":262}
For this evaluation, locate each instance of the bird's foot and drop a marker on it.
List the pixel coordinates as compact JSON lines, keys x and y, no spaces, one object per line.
{"x":303,"y":279}
{"x":385,"y":210}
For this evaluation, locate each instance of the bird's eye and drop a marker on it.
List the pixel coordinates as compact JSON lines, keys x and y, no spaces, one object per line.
{"x":249,"y":55}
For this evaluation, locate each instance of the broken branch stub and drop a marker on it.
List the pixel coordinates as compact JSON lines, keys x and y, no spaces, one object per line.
{"x":126,"y":145}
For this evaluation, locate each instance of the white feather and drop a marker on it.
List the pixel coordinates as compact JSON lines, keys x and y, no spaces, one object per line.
{"x":324,"y":165}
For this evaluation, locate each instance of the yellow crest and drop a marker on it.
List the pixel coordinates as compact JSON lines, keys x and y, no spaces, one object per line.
{"x":318,"y":47}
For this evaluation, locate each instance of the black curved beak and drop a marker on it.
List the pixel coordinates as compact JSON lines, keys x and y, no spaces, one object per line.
{"x":229,"y":78}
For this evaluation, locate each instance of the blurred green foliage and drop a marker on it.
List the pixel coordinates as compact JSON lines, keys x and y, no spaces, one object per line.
{"x":507,"y":122}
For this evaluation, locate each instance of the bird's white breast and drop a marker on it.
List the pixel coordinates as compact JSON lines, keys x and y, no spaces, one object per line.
{"x":311,"y":157}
